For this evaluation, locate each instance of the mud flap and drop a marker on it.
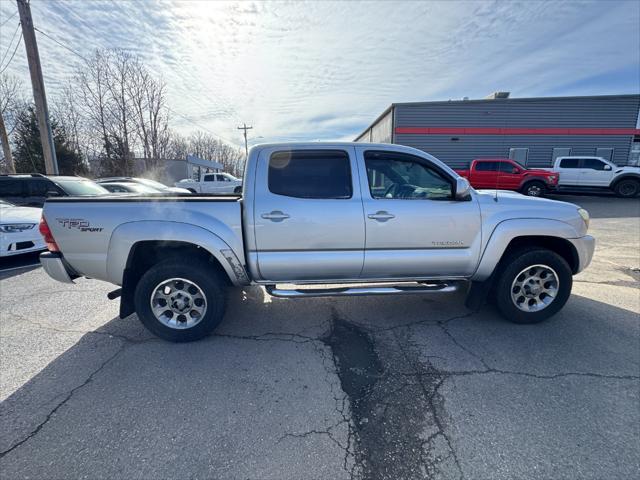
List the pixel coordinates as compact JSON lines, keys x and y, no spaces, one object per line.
{"x":478,"y":293}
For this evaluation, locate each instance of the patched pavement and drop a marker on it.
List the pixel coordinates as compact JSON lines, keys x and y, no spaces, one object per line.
{"x":403,"y":387}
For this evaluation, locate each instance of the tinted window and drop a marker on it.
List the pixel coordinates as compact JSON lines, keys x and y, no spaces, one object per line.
{"x":310,"y":174}
{"x":10,"y":188}
{"x":507,"y":167}
{"x":398,"y":176}
{"x":209,"y":178}
{"x":569,"y":163}
{"x":39,"y":188}
{"x":487,"y":166}
{"x":593,"y":163}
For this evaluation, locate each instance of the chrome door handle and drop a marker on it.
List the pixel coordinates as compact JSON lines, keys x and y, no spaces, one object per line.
{"x":275,"y":216}
{"x":381,"y":216}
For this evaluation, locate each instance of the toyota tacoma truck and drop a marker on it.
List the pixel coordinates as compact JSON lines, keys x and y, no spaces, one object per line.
{"x":333,"y":219}
{"x":582,"y":173}
{"x":505,"y":174}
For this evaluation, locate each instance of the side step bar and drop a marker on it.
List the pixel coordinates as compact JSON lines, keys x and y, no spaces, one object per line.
{"x":360,"y":291}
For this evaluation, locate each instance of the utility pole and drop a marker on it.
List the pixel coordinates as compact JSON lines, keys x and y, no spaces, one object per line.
{"x":246,"y":147}
{"x":11,"y":167}
{"x":37,"y":83}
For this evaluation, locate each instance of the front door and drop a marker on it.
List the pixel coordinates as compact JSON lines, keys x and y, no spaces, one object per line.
{"x":595,"y":173}
{"x":510,"y":176}
{"x":308,"y":215}
{"x":414,"y":226}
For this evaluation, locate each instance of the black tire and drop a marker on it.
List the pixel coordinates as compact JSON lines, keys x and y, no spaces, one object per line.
{"x":238,"y":189}
{"x":513,"y":266}
{"x":534,"y":188}
{"x":627,"y":188}
{"x":203,"y":276}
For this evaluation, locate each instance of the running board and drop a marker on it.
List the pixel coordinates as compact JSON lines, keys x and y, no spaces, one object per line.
{"x":361,"y":291}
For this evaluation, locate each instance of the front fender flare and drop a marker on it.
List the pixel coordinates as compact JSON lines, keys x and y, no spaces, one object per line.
{"x":125,"y":236}
{"x":508,"y":230}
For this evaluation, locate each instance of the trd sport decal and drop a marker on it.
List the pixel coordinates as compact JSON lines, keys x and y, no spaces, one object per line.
{"x":79,"y":224}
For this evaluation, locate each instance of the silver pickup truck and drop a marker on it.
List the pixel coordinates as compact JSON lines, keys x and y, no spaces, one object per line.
{"x":331,"y":219}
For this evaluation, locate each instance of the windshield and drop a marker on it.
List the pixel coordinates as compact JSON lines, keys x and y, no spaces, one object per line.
{"x":81,"y":188}
{"x":151,"y":183}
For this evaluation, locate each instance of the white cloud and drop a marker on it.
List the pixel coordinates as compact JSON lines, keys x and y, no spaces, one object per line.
{"x":327,"y":69}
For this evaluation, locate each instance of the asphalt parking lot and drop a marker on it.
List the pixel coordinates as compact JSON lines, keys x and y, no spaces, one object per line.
{"x":394,"y":388}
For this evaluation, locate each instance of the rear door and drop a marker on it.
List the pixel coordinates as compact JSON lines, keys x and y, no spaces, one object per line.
{"x":308,"y":214}
{"x":414,"y":227}
{"x":485,"y":174}
{"x":569,"y":171}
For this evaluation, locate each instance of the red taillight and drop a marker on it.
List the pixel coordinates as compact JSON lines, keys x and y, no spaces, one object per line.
{"x":45,"y":231}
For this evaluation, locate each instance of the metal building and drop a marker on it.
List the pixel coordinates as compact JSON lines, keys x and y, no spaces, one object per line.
{"x":533,"y":131}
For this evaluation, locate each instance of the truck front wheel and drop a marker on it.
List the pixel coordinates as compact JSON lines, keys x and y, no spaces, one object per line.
{"x":534,"y":189}
{"x":180,"y":301}
{"x":627,"y":188}
{"x":533,"y":285}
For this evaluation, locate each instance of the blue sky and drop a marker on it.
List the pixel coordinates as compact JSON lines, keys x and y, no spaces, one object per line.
{"x":325,"y":70}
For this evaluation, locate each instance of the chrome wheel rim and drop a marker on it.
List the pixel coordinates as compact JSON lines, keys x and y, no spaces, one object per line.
{"x":178,"y":303}
{"x":534,"y":191}
{"x":535,"y":288}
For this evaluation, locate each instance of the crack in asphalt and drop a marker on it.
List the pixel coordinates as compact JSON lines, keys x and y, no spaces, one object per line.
{"x":68,"y":397}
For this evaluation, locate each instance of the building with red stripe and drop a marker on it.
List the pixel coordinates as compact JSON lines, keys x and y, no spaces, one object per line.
{"x":533,"y":131}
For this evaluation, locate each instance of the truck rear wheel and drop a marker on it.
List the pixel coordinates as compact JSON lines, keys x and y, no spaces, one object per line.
{"x":534,"y":189}
{"x":533,"y":285}
{"x":627,"y":188}
{"x":180,"y":301}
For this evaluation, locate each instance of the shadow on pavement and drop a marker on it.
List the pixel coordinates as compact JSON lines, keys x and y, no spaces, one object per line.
{"x":122,"y":403}
{"x":18,"y":264}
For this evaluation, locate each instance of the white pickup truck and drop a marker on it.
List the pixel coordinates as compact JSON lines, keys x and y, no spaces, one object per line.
{"x":374,"y":218}
{"x":592,"y":173}
{"x":212,"y":183}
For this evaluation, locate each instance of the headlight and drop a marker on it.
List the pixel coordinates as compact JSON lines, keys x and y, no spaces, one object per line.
{"x":585,"y":216}
{"x":16,"y":227}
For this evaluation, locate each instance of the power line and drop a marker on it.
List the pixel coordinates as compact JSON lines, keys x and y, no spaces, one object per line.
{"x":12,"y":55}
{"x":10,"y":42}
{"x":61,"y":44}
{"x":14,"y":14}
{"x":75,"y":52}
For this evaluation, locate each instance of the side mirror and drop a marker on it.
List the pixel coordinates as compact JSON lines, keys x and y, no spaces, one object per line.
{"x":515,"y":171}
{"x":52,"y":193}
{"x":607,"y":167}
{"x":462,"y":188}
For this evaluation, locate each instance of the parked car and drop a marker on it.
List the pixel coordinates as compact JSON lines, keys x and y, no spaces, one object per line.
{"x":505,"y":174}
{"x":123,"y":187}
{"x":143,"y":181}
{"x":595,"y":173}
{"x":18,"y":232}
{"x":33,"y":189}
{"x":213,"y":183}
{"x":322,"y":213}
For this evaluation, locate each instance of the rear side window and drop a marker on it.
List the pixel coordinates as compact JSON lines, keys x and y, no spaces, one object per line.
{"x":10,"y":188}
{"x":210,"y":178}
{"x":569,"y":163}
{"x":311,"y":174}
{"x":487,"y":166}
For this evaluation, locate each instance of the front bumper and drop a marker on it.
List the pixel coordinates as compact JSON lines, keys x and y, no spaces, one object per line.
{"x":19,"y":243}
{"x":56,"y":267}
{"x":585,"y":247}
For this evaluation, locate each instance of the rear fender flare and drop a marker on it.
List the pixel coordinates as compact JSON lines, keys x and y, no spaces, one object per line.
{"x":508,"y":230}
{"x":127,"y":235}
